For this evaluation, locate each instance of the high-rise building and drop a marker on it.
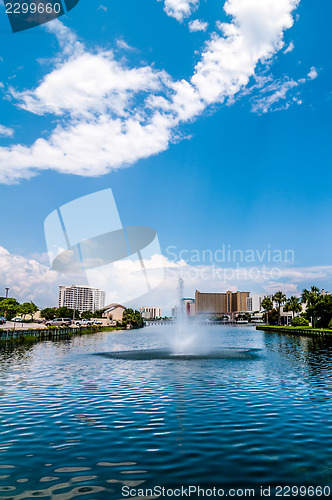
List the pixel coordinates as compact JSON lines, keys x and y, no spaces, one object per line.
{"x":81,"y":298}
{"x":254,"y":303}
{"x":220,"y":303}
{"x":150,"y":312}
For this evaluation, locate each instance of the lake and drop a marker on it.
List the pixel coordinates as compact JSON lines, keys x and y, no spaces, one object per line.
{"x":78,"y":421}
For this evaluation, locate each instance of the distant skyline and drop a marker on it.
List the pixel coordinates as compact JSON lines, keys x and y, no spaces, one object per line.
{"x":210,"y":122}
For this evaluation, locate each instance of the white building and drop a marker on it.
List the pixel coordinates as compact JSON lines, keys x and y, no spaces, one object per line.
{"x":287,"y":316}
{"x":254,"y":302}
{"x":82,"y":298}
{"x":150,"y":312}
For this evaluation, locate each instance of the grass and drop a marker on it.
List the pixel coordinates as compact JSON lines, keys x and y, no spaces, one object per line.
{"x":294,"y":328}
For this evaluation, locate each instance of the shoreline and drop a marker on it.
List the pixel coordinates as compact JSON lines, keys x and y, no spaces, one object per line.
{"x":297,"y":330}
{"x":53,"y":334}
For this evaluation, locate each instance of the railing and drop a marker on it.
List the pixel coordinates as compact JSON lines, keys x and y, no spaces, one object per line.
{"x":47,"y":334}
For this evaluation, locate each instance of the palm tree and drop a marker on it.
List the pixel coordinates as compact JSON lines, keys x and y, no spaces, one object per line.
{"x":267,"y":304}
{"x":307,"y":294}
{"x":310,"y":297}
{"x":292,"y":304}
{"x":279,"y":298}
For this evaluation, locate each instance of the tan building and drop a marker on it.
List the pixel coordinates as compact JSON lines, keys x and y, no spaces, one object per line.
{"x":114,"y":312}
{"x":220,"y":303}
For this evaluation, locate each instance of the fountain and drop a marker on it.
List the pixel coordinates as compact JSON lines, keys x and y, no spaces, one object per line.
{"x":188,"y":339}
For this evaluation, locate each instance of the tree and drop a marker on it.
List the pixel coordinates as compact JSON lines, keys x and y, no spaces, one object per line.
{"x":292,"y":304}
{"x":310,"y":298}
{"x":307,"y":295}
{"x":87,"y":315}
{"x":299,"y":321}
{"x":9,"y":308}
{"x":49,"y":313}
{"x":132,"y":318}
{"x":28,"y":308}
{"x":98,"y":314}
{"x":65,"y":312}
{"x":319,"y":310}
{"x":279,"y":298}
{"x":267,"y":304}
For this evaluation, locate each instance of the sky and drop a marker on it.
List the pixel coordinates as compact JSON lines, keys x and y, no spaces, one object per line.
{"x":209,"y":121}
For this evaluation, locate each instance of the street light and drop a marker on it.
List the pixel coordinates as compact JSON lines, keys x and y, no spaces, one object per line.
{"x":7,"y":290}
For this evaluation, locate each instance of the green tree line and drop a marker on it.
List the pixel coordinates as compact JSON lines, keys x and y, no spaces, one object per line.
{"x":318,"y":308}
{"x":10,"y":308}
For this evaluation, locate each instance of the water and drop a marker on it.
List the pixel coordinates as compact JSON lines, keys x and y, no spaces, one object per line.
{"x":78,"y":423}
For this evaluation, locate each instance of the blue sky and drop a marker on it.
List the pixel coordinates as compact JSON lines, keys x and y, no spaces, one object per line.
{"x":239,"y":154}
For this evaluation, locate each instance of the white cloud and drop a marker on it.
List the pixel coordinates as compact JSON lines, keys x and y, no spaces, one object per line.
{"x":255,"y":34}
{"x":6,"y":132}
{"x":180,"y":9}
{"x":88,"y":84}
{"x":121,"y":44}
{"x":276,"y":92}
{"x":197,"y":25}
{"x":313,"y":73}
{"x":28,"y":279}
{"x":102,"y":7}
{"x":67,"y":40}
{"x":110,"y":115}
{"x":290,"y":48}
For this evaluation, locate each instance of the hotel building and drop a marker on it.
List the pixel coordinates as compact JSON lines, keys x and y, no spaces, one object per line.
{"x":217,"y":304}
{"x":81,"y":298}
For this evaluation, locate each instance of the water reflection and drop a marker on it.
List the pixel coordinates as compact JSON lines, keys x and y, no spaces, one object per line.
{"x":74,"y":423}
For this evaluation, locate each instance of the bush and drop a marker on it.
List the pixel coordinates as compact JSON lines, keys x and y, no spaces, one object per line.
{"x":330,"y":325}
{"x":299,"y":321}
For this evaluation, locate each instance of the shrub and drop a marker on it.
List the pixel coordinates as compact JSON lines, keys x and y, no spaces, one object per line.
{"x":299,"y":321}
{"x":330,"y":324}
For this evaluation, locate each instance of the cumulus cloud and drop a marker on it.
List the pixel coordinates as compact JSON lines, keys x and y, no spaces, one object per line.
{"x":110,"y":115}
{"x":197,"y":25}
{"x":31,"y":279}
{"x":89,"y":84}
{"x":28,"y":279}
{"x":180,"y":9}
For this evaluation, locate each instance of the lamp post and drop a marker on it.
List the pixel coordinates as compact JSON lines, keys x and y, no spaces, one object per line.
{"x":7,"y":290}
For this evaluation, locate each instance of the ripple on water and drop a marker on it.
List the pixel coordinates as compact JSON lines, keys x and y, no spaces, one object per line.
{"x":75,"y":423}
